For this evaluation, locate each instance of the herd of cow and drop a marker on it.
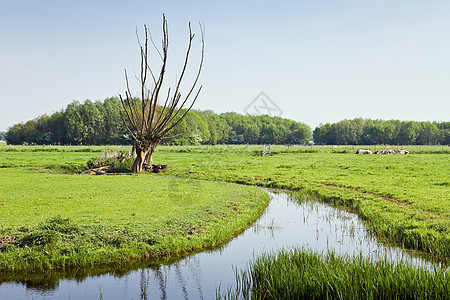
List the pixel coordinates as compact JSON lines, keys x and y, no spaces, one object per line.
{"x":398,"y":151}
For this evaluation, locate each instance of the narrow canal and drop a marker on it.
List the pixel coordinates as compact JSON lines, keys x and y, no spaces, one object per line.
{"x":286,"y":223}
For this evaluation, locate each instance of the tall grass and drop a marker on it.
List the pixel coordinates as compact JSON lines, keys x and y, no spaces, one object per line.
{"x":298,"y":274}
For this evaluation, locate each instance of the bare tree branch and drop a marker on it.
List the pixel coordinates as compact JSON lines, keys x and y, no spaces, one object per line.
{"x":149,"y":122}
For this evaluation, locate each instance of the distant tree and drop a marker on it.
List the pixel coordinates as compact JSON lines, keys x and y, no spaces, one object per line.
{"x":219,"y":128}
{"x":281,"y":129}
{"x":267,"y":133}
{"x":299,"y":134}
{"x":113,"y":127}
{"x":208,"y":116}
{"x":147,"y":120}
{"x":236,"y":123}
{"x":373,"y":133}
{"x":73,"y":121}
{"x":53,"y":126}
{"x":389,"y":130}
{"x":92,"y":122}
{"x":366,"y":131}
{"x":407,"y":133}
{"x":223,"y":129}
{"x":427,"y":133}
{"x":14,"y":136}
{"x":320,"y":133}
{"x":192,"y":130}
{"x":444,"y":133}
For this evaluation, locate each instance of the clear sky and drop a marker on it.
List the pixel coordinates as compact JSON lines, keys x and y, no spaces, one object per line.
{"x":318,"y":61}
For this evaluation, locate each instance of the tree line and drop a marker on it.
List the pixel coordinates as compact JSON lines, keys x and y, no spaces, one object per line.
{"x":361,"y":131}
{"x":100,"y":123}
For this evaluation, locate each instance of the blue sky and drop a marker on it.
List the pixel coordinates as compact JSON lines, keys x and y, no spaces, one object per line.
{"x":318,"y":61}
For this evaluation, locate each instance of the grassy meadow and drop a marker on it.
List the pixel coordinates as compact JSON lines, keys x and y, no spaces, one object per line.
{"x":404,"y":198}
{"x":56,"y":220}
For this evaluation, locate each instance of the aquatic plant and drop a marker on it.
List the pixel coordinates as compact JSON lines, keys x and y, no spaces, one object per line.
{"x":300,"y":274}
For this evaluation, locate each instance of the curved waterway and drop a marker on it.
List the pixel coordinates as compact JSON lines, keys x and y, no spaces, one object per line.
{"x":286,"y":223}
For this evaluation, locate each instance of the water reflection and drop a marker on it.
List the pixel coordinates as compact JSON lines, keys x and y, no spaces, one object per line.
{"x":286,"y":223}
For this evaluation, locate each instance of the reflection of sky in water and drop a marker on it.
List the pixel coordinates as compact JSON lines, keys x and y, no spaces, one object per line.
{"x":285,"y":224}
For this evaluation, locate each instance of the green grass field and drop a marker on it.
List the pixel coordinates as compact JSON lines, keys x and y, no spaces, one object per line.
{"x":404,"y":198}
{"x":52,"y":220}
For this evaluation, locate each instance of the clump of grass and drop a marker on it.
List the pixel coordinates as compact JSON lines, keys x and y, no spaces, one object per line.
{"x":60,"y":243}
{"x":39,"y":238}
{"x":298,"y":274}
{"x":59,"y":224}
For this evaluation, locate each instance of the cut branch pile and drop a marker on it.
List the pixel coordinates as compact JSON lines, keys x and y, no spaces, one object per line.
{"x":97,"y":171}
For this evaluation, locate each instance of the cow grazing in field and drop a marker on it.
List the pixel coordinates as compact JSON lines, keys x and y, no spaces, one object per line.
{"x":390,"y":151}
{"x":398,"y":151}
{"x":363,"y":151}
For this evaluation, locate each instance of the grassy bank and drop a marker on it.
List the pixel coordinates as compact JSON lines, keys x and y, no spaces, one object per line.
{"x":403,"y":198}
{"x":57,"y":220}
{"x":299,"y":274}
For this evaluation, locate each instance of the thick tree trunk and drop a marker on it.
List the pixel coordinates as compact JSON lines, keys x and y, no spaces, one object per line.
{"x":139,"y":160}
{"x":133,"y":150}
{"x":149,"y":156}
{"x":144,"y":155}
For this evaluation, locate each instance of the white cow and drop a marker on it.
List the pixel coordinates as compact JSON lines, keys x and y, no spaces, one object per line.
{"x":363,"y":151}
{"x":390,"y":151}
{"x":398,"y":151}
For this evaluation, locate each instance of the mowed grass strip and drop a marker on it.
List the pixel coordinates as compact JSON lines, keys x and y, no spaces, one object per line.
{"x":404,"y":198}
{"x":54,"y":220}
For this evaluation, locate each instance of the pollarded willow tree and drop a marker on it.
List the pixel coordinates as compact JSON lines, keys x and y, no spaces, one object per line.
{"x":146,"y":119}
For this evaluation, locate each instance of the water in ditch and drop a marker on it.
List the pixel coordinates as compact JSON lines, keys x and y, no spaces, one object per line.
{"x":286,"y":223}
